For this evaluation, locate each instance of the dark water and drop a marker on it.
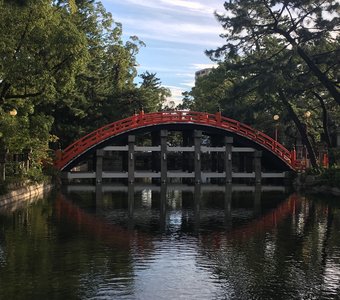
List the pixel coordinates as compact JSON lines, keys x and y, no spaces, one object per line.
{"x":171,"y":243}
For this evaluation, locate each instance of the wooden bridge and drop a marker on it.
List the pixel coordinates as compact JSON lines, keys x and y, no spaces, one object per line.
{"x":144,"y":146}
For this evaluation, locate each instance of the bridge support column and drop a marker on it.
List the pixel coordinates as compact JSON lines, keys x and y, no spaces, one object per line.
{"x":228,"y":158}
{"x":257,"y":166}
{"x":131,"y":158}
{"x":197,"y":143}
{"x":99,"y":166}
{"x":155,"y":141}
{"x":164,"y":159}
{"x":187,"y":141}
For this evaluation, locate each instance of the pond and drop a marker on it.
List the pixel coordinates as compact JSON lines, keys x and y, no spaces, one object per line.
{"x":171,"y":242}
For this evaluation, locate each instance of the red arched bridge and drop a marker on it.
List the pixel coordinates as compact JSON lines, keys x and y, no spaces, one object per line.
{"x":97,"y":137}
{"x":233,"y":132}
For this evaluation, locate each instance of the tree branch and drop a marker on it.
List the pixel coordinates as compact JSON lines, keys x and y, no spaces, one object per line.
{"x":23,"y":96}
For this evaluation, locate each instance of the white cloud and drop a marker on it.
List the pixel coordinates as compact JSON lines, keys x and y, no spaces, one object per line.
{"x":175,"y":31}
{"x":179,"y":21}
{"x":185,"y":75}
{"x":203,"y":66}
{"x":175,"y":90}
{"x":189,"y":84}
{"x":191,"y":5}
{"x":178,"y":6}
{"x":157,"y":69}
{"x":176,"y":95}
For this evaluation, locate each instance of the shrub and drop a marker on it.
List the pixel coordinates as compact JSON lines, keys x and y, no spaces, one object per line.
{"x":331,"y":176}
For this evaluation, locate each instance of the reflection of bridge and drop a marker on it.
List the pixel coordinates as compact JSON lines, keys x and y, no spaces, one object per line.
{"x":112,"y":234}
{"x":172,"y":187}
{"x":109,"y":232}
{"x":193,"y":145}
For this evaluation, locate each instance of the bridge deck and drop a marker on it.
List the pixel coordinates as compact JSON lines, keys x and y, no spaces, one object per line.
{"x":79,"y":148}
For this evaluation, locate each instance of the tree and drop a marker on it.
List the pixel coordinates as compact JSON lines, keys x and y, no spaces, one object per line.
{"x":66,"y":70}
{"x":295,"y":24}
{"x":283,"y":49}
{"x":41,"y":53}
{"x":152,"y":93}
{"x":107,"y":76}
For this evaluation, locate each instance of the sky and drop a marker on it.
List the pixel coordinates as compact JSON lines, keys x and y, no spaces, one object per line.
{"x":176,"y":34}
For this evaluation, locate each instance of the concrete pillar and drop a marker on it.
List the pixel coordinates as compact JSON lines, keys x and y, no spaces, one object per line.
{"x":164,"y":159}
{"x":197,"y":143}
{"x":228,"y":158}
{"x":257,"y":166}
{"x":214,"y":155}
{"x":99,"y":166}
{"x":214,"y":163}
{"x":155,"y":141}
{"x":131,"y":158}
{"x":187,"y":141}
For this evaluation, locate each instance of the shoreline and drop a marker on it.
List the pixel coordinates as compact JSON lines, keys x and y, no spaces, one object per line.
{"x":27,"y":193}
{"x":311,"y":184}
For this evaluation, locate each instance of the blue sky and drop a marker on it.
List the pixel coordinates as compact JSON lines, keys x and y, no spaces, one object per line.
{"x":176,"y":34}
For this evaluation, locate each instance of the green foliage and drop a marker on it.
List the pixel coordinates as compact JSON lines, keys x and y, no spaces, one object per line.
{"x":66,"y":70}
{"x":152,"y":94}
{"x":280,"y":58}
{"x":41,"y":51}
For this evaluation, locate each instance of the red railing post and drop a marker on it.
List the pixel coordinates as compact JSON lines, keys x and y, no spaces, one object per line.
{"x":134,"y":120}
{"x":139,"y":120}
{"x":293,"y":157}
{"x":141,"y":116}
{"x":325,"y":160}
{"x":218,"y":117}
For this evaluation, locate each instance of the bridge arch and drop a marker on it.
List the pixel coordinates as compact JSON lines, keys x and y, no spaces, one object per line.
{"x":74,"y":153}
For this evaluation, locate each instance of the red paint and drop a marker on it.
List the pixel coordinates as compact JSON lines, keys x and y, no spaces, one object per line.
{"x":157,"y":118}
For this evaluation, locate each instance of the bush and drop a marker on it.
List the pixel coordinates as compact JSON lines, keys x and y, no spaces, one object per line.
{"x":331,"y":177}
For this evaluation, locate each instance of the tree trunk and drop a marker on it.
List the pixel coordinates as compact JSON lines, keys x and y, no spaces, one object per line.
{"x":302,"y":130}
{"x":324,"y":120}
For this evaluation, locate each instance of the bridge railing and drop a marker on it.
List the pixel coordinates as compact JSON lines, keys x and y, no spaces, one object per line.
{"x":140,"y":120}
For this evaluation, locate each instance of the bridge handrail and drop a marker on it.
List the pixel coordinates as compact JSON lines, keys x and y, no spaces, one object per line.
{"x":140,"y":120}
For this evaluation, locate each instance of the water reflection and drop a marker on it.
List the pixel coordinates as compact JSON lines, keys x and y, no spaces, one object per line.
{"x":193,"y":202}
{"x":164,"y":242}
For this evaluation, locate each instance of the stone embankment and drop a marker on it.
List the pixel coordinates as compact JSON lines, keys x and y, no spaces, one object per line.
{"x":313,"y":185}
{"x":27,"y":193}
